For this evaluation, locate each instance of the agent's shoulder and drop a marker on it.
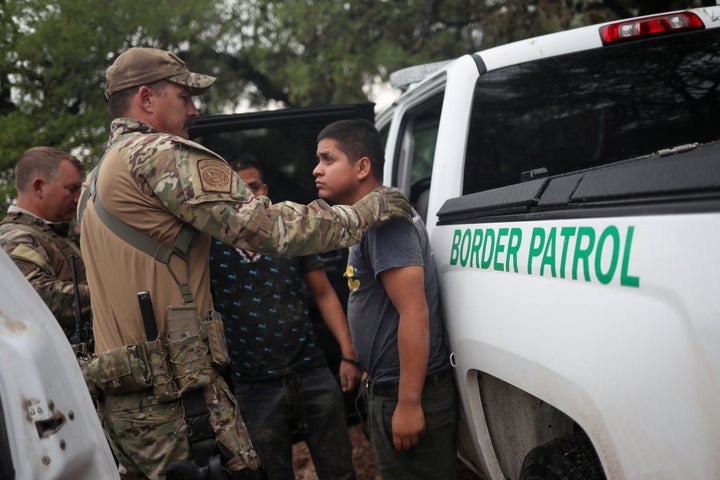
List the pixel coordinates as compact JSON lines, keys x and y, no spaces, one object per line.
{"x":154,"y":150}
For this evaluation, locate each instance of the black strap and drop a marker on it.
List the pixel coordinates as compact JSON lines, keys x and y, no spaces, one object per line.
{"x":184,"y":241}
{"x":201,"y":435}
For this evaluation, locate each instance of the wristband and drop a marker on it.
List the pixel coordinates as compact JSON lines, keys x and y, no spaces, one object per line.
{"x":350,"y":360}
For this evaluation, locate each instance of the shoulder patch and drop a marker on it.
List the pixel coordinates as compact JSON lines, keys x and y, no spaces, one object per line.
{"x":24,"y":252}
{"x":215,"y":175}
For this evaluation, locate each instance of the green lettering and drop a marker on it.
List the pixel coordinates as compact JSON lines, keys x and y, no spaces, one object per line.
{"x":549,"y":254}
{"x":499,"y":248}
{"x":536,"y":246}
{"x":465,"y":248}
{"x":566,"y":233}
{"x":513,"y":247}
{"x":625,"y":279}
{"x":583,"y":253}
{"x":475,"y":249}
{"x":609,"y":232}
{"x":488,"y":247}
{"x":455,"y":248}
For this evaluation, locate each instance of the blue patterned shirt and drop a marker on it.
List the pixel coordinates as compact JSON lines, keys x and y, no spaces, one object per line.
{"x":262,"y":301}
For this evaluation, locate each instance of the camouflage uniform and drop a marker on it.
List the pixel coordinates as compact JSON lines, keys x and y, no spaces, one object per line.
{"x":155,"y":183}
{"x":42,"y":252}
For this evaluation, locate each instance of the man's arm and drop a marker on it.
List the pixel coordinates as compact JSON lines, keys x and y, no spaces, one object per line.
{"x":34,"y":263}
{"x":406,"y":288}
{"x":224,"y":207}
{"x":334,"y":317}
{"x":289,"y":229}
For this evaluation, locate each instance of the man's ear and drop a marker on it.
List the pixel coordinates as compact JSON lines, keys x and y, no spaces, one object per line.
{"x":37,"y":186}
{"x":363,"y":168}
{"x":145,"y":94}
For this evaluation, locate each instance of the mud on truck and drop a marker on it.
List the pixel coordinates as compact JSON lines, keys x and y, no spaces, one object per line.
{"x":571,"y":188}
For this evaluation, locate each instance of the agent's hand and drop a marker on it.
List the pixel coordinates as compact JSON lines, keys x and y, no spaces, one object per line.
{"x":408,"y":425}
{"x":378,"y":207}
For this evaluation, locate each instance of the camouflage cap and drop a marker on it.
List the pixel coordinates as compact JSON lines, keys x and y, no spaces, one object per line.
{"x":140,"y":66}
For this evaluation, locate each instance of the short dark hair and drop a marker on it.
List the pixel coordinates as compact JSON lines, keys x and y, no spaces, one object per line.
{"x":246,"y":160}
{"x":41,"y":162}
{"x":119,"y":102}
{"x":357,"y":139}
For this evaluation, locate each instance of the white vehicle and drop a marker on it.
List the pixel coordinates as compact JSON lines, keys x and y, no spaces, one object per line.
{"x":571,"y":184}
{"x":48,"y":425}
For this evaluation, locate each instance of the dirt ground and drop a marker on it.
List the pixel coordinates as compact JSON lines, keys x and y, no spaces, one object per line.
{"x":362,"y":458}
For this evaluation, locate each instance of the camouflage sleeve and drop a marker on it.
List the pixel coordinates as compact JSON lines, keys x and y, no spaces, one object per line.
{"x":205,"y":192}
{"x":34,"y":263}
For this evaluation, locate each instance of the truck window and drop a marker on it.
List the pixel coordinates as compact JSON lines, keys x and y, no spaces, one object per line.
{"x":417,"y":150}
{"x":591,"y":108}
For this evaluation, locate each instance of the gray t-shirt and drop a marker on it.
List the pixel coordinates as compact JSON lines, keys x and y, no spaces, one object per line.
{"x":372,"y":317}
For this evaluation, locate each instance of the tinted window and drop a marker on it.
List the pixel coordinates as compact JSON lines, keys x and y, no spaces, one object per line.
{"x":287,"y":155}
{"x":283,"y":141}
{"x":595,"y":107}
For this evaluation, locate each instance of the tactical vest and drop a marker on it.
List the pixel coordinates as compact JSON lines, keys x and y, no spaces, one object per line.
{"x":81,"y":340}
{"x":37,"y":227}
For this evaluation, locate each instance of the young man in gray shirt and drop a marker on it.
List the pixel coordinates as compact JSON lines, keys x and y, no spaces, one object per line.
{"x":394,"y":317}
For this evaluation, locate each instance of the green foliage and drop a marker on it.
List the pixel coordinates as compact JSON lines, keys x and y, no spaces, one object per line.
{"x":55,"y":55}
{"x":264,"y":53}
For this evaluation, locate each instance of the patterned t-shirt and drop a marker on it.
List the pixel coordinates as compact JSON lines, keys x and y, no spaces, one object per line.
{"x":262,"y":301}
{"x":372,"y":317}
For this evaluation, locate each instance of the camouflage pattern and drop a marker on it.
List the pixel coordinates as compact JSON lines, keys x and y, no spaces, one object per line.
{"x":84,"y":360}
{"x":42,"y":253}
{"x":141,"y":66}
{"x":190,"y":362}
{"x":147,"y":435}
{"x":198,"y":187}
{"x":121,"y":370}
{"x":201,"y":189}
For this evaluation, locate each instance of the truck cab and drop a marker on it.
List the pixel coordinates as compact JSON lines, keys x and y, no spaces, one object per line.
{"x":570,"y":184}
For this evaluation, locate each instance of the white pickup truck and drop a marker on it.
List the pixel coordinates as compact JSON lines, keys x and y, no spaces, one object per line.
{"x":571,"y":187}
{"x":48,"y":425}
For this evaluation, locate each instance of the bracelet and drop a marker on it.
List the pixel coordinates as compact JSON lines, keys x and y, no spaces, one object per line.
{"x":350,"y":360}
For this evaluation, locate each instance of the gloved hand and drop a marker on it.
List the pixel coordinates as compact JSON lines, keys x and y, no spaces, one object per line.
{"x":378,"y":207}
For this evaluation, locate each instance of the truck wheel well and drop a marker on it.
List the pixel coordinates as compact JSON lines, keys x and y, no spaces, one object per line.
{"x":568,"y":458}
{"x":518,"y":422}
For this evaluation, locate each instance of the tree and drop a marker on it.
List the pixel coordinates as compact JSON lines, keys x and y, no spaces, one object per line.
{"x":287,"y":53}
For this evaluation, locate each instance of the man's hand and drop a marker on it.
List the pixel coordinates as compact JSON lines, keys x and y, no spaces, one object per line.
{"x":408,"y":425}
{"x":349,"y":375}
{"x":378,"y":207}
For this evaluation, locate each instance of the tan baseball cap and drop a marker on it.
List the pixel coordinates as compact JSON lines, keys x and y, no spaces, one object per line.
{"x":140,"y":66}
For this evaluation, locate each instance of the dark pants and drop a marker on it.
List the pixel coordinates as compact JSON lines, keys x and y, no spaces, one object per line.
{"x":434,"y":458}
{"x":313,"y":401}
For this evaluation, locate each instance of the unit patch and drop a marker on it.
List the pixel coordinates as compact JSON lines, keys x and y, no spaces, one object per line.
{"x":215,"y":175}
